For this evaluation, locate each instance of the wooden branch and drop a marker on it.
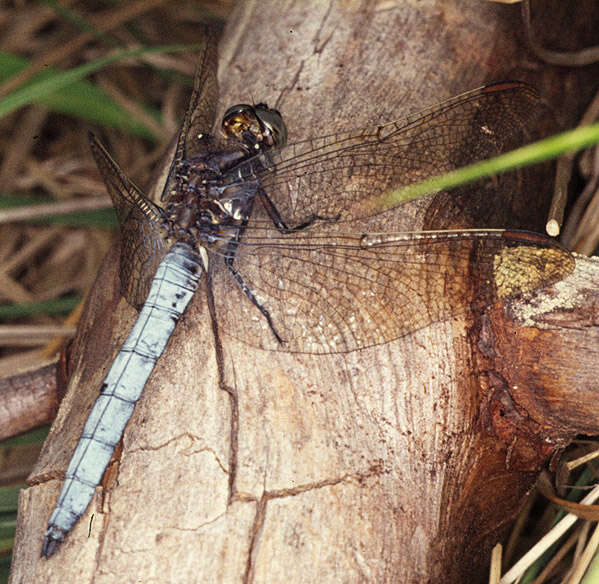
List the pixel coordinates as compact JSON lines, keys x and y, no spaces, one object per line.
{"x":28,"y":400}
{"x":401,"y":463}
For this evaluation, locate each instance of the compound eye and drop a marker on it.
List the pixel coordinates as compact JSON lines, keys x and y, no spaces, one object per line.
{"x":275,"y":131}
{"x":257,"y":127}
{"x":240,"y":108}
{"x":240,"y":119}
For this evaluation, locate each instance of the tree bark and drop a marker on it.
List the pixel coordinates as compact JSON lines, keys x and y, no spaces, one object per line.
{"x":28,"y":400}
{"x":398,"y":463}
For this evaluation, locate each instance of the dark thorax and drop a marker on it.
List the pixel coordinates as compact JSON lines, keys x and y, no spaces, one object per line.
{"x":214,"y":192}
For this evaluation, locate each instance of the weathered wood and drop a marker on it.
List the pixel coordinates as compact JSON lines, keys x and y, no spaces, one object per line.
{"x":401,"y":463}
{"x":28,"y":400}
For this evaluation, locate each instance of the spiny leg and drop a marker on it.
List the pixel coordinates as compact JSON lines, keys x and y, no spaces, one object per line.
{"x":229,"y":258}
{"x":282,"y":227}
{"x":278,"y":222}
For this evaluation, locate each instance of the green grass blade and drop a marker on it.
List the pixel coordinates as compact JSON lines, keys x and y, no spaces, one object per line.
{"x":102,"y":218}
{"x":8,"y":523}
{"x":43,"y":86}
{"x":49,"y":307}
{"x":36,"y":436}
{"x":532,"y":154}
{"x":77,"y":21}
{"x":8,"y":499}
{"x":81,"y":99}
{"x":585,"y":479}
{"x":592,"y":574}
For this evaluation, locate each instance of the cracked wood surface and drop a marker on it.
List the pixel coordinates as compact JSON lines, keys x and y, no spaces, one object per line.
{"x":242,"y":465}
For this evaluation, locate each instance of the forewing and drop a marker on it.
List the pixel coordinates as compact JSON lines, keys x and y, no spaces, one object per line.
{"x":344,"y":292}
{"x":201,"y":110}
{"x":334,"y":175}
{"x":143,"y":228}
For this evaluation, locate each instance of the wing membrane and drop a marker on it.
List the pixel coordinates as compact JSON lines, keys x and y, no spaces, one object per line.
{"x":330,"y":176}
{"x":143,"y":230}
{"x":335,"y":294}
{"x":201,"y":110}
{"x":143,"y":224}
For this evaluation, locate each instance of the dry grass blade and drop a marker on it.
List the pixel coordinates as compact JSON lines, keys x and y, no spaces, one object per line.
{"x":585,"y":558}
{"x":32,"y":335}
{"x":579,"y":58}
{"x":589,"y":512}
{"x":552,"y":565}
{"x":546,"y":542}
{"x":22,"y":141}
{"x":495,"y":568}
{"x":46,"y":169}
{"x":105,"y":22}
{"x":582,"y":225}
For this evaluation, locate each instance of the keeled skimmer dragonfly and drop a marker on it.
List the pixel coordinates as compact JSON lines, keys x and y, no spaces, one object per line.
{"x":249,"y":212}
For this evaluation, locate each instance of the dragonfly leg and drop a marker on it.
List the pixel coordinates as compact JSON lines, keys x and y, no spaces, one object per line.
{"x":275,"y":216}
{"x":248,"y":292}
{"x":229,"y":258}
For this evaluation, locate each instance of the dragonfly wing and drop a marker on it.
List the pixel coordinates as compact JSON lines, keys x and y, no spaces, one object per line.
{"x":143,"y":227}
{"x":335,"y":294}
{"x":334,"y":175}
{"x":201,"y":110}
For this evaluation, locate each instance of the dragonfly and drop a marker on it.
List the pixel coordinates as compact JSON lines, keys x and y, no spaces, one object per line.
{"x":271,"y":226}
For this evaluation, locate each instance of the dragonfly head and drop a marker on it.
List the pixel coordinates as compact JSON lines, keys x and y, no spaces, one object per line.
{"x":257,"y":127}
